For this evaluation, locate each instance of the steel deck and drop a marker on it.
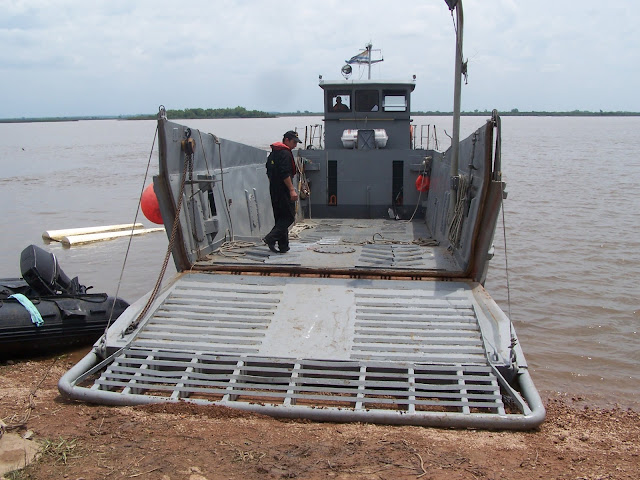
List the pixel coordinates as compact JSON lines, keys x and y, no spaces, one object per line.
{"x":366,"y":244}
{"x":415,"y":349}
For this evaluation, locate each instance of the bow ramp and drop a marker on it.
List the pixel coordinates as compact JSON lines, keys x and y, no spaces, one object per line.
{"x":381,"y":351}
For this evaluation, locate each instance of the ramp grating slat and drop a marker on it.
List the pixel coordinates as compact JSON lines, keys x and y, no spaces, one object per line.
{"x":416,"y":329}
{"x":355,"y":385}
{"x":200,"y":316}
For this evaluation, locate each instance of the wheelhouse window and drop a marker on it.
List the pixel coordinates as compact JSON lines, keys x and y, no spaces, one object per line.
{"x":394,"y":101}
{"x":367,"y":100}
{"x":339,"y":102}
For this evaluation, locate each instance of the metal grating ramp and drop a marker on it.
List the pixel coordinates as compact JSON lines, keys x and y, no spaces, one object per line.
{"x":323,"y":349}
{"x":415,"y":326}
{"x":211,"y":317}
{"x":237,"y":341}
{"x":355,"y":386}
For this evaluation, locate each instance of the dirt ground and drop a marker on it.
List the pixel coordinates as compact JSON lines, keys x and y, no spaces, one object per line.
{"x":187,"y":442}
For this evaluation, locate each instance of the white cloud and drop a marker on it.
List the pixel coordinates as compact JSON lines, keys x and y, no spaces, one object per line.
{"x":116,"y":57}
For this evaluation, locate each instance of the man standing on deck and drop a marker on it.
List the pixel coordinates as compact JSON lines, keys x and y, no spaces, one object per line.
{"x":281,"y":168}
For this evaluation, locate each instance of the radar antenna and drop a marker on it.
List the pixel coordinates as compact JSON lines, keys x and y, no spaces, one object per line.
{"x":364,"y":57}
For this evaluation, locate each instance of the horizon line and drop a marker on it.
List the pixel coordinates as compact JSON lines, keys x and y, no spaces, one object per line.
{"x":475,"y":112}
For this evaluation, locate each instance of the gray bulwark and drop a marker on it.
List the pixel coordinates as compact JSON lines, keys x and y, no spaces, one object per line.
{"x":398,"y":351}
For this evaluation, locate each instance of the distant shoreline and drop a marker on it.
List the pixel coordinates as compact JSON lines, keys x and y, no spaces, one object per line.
{"x":255,"y":114}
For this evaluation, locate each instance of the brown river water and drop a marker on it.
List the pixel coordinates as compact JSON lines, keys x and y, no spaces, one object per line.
{"x":571,"y":217}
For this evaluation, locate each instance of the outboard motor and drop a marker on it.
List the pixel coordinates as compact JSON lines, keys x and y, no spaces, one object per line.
{"x":40,"y":269}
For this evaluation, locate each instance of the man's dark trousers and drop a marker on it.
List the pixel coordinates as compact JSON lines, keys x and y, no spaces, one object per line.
{"x":284,"y":216}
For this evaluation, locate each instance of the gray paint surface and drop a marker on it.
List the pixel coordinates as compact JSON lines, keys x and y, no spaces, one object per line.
{"x":367,"y":318}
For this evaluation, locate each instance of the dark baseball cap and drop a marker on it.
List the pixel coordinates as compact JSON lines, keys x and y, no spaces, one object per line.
{"x":291,"y":135}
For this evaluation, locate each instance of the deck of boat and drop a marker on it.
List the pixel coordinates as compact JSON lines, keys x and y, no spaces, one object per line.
{"x":348,"y":244}
{"x":319,"y":347}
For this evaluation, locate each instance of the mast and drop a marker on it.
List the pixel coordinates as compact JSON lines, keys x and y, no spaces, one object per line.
{"x":455,"y":141}
{"x":364,"y":57}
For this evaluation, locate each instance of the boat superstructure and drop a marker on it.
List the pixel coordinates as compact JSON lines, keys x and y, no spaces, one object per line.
{"x":377,"y":313}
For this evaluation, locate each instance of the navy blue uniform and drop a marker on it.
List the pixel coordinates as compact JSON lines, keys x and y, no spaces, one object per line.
{"x":280,"y":165}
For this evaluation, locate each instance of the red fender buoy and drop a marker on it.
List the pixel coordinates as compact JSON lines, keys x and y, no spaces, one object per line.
{"x":150,"y":206}
{"x":422,"y":183}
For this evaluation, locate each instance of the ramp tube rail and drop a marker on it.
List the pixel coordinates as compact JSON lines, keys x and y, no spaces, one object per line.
{"x":68,"y":386}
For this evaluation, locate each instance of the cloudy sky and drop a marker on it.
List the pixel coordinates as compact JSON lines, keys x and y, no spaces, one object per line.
{"x":79,"y":57}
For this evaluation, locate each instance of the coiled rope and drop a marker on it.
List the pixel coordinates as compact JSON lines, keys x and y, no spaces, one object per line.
{"x":455,"y":225}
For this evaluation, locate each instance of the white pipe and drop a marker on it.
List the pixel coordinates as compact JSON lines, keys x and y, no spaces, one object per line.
{"x":58,"y":234}
{"x":71,"y":240}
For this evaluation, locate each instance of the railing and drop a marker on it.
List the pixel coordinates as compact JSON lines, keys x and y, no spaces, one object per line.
{"x":313,"y":136}
{"x":426,"y":133}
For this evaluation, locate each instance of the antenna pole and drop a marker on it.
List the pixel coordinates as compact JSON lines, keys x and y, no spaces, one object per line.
{"x":369,"y":58}
{"x":455,"y":141}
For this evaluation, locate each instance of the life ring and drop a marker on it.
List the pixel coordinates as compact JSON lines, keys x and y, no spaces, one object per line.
{"x":422,"y":183}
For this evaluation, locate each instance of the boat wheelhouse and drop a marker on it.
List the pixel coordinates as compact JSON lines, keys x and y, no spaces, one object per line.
{"x":368,"y":162}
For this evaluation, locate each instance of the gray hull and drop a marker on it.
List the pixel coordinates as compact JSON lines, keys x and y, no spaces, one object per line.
{"x":374,"y":320}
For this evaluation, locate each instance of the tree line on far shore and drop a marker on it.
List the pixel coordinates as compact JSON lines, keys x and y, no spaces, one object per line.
{"x":515,"y":112}
{"x":241,"y":112}
{"x":190,"y":113}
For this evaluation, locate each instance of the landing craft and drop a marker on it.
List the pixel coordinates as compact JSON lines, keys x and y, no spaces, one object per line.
{"x":376,"y":314}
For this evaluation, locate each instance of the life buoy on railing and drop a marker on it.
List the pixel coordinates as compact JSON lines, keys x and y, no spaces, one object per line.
{"x":333,"y":200}
{"x":422,"y":182}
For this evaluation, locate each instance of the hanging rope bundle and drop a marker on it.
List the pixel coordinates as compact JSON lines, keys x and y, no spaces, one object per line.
{"x":455,"y":225}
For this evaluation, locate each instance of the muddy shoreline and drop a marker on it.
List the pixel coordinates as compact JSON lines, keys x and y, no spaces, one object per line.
{"x":185,"y":441}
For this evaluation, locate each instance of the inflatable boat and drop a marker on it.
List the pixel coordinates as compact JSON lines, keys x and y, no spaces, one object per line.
{"x":45,"y":311}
